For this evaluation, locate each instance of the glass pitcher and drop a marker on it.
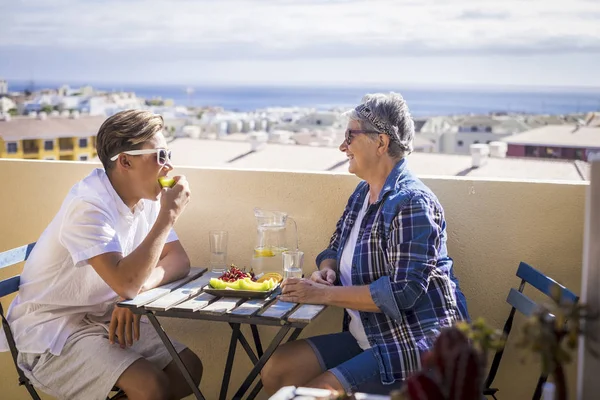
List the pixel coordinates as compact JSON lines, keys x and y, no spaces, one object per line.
{"x":271,"y":240}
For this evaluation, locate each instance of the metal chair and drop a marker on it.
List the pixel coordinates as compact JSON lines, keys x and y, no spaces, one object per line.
{"x":520,"y":302}
{"x":10,"y":286}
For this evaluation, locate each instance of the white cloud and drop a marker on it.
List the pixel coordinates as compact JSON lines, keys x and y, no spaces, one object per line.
{"x":538,"y":42}
{"x":227,"y":29}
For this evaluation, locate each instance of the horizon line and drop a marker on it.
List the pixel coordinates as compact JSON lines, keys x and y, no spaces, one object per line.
{"x":313,"y":85}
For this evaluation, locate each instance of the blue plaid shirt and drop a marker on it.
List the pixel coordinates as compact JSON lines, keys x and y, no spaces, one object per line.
{"x":401,"y":254}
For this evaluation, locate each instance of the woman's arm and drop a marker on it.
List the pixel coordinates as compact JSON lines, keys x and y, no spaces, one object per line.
{"x":413,"y":245}
{"x":330,"y":253}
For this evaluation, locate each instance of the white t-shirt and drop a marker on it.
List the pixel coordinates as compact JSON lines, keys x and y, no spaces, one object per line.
{"x":58,"y":286}
{"x":356,"y":327}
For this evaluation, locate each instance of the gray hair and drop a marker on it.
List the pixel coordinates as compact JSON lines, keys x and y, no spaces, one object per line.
{"x":388,"y":114}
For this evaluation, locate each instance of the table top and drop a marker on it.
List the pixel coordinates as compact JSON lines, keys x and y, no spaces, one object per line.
{"x":297,"y":393}
{"x":185,"y":299}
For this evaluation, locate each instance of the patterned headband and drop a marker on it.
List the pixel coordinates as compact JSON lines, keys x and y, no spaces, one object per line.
{"x":365,"y":112}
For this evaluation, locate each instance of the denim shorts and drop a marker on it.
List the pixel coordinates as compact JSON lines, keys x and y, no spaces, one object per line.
{"x":356,"y":369}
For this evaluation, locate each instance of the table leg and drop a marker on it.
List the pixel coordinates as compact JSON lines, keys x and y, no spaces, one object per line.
{"x":230,"y":355}
{"x":257,"y":343}
{"x":259,"y":384}
{"x":261,"y":362}
{"x":184,"y":371}
{"x":247,"y":347}
{"x":295,"y":335}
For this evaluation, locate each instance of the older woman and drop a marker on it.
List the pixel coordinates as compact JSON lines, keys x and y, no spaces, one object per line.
{"x":386,"y":264}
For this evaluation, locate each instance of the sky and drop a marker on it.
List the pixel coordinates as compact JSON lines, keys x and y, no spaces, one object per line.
{"x":301,"y":42}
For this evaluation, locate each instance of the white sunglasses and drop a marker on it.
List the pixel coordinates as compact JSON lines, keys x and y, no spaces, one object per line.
{"x":163,"y":156}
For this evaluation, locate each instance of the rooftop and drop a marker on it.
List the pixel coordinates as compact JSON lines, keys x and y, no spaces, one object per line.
{"x":559,"y":135}
{"x":23,"y":128}
{"x":232,"y":153}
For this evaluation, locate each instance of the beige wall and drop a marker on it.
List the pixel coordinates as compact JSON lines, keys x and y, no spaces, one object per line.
{"x":492,"y":225}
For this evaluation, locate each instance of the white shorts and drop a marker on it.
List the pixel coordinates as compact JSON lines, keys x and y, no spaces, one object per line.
{"x":89,"y":366}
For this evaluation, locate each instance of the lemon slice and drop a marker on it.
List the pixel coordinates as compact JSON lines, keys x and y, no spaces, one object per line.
{"x":263,"y":253}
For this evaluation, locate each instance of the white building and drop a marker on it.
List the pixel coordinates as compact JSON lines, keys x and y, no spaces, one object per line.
{"x":6,"y":104}
{"x":3,"y":86}
{"x":455,"y":135}
{"x":481,"y":129}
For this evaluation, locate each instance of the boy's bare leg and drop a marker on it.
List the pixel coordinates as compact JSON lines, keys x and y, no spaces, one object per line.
{"x":144,"y":381}
{"x":179,"y":386}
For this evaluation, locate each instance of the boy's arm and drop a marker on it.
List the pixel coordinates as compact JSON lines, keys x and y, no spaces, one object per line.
{"x":127,"y":275}
{"x":174,"y":264}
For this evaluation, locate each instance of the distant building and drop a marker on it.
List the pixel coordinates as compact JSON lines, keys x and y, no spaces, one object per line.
{"x":570,"y":142}
{"x":6,"y":104}
{"x":482,"y":130}
{"x":536,"y":121}
{"x":3,"y":86}
{"x":455,"y":135}
{"x":593,"y":119}
{"x":49,"y":138}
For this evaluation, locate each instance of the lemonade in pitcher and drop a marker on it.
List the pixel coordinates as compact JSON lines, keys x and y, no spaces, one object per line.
{"x":272,"y":239}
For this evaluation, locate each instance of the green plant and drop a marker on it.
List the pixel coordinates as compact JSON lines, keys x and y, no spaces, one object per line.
{"x":454,"y":369}
{"x":47,"y":108}
{"x":483,"y":337}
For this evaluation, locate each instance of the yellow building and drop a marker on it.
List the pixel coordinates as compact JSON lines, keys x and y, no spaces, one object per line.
{"x":52,"y":138}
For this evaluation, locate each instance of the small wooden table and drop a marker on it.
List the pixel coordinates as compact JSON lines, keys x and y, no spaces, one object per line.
{"x":185,"y":299}
{"x":292,"y":392}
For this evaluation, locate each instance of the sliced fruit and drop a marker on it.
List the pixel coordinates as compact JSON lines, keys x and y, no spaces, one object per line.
{"x":271,"y":275}
{"x":220,"y":284}
{"x":247,"y":284}
{"x":165,"y":181}
{"x":264,"y":252}
{"x":216,"y":283}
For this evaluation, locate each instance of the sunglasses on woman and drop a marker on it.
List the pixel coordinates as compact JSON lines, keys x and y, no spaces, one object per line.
{"x":351,"y":132}
{"x":163,"y":156}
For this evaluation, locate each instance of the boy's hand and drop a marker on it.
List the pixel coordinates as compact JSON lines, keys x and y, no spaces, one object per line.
{"x":125,"y":325}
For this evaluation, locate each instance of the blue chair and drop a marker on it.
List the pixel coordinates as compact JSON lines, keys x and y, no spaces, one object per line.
{"x":523,"y":304}
{"x":10,"y":286}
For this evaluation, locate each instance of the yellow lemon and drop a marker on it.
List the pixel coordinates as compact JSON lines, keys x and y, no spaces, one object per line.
{"x":263,"y":253}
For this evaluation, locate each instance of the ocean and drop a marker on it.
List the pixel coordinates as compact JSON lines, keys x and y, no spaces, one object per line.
{"x":421,"y":101}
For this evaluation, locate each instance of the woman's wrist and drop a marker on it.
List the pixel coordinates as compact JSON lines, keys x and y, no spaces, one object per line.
{"x":327,"y":295}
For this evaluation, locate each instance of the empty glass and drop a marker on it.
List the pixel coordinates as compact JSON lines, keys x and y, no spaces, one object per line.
{"x":292,"y":263}
{"x":218,"y":251}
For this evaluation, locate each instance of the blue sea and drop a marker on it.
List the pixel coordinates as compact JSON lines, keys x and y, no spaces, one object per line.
{"x":426,"y":101}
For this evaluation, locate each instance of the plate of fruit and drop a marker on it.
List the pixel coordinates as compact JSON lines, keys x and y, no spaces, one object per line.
{"x":236,"y":282}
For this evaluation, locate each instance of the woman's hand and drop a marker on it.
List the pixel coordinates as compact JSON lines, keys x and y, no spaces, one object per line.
{"x":125,"y":325}
{"x":295,"y":290}
{"x":326,"y":276}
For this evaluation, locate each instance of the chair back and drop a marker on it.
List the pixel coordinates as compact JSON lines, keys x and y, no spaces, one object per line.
{"x":10,"y":286}
{"x":524,"y":305}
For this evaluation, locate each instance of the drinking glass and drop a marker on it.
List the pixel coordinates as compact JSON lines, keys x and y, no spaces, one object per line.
{"x":218,"y":251}
{"x":292,"y":263}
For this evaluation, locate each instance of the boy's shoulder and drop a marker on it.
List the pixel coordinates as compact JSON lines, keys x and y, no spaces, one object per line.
{"x":90,"y":191}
